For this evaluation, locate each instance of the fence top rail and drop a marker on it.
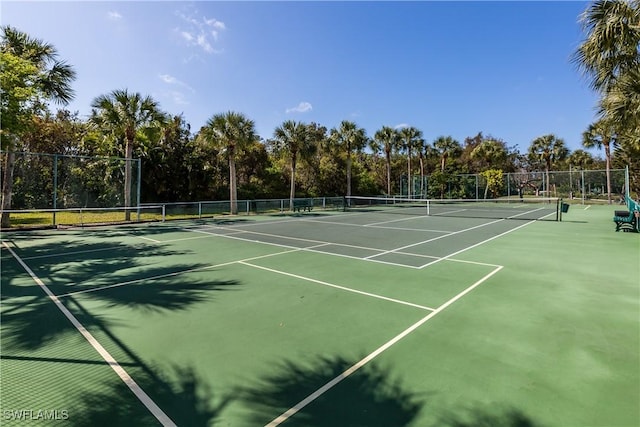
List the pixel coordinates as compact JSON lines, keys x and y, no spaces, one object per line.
{"x":115,"y":208}
{"x":73,"y":156}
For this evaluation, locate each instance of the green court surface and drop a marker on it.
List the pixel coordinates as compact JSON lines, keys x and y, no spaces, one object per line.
{"x":324,"y":319}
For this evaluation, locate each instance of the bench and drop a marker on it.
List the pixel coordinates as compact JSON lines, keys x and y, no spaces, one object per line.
{"x":628,"y":220}
{"x":301,"y":205}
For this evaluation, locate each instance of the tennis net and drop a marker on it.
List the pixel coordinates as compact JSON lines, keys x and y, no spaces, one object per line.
{"x":549,"y":209}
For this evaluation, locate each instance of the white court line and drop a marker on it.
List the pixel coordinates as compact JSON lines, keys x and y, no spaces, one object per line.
{"x":446,"y":258}
{"x":162,"y":276}
{"x":475,"y":245}
{"x":63,"y":254}
{"x":395,"y":220}
{"x":310,"y":248}
{"x":108,"y":358}
{"x":588,"y":206}
{"x":377,"y":226}
{"x":431,"y":240}
{"x":316,"y":394}
{"x":147,"y":238}
{"x":204,"y":237}
{"x":300,"y":239}
{"x":320,"y":282}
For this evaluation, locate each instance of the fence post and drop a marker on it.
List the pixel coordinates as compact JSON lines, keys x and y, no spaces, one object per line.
{"x":55,"y":187}
{"x":138,"y":187}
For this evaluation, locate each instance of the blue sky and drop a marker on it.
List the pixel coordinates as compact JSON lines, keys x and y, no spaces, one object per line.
{"x":448,"y":68}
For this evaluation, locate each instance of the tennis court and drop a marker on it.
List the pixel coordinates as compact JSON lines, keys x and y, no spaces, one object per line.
{"x":370,"y":317}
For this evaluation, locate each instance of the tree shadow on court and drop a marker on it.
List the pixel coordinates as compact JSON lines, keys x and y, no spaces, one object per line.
{"x":164,"y":295}
{"x":182,"y":396}
{"x":178,"y":391}
{"x":31,"y":320}
{"x":32,"y":324}
{"x":499,"y":416}
{"x":369,"y":397}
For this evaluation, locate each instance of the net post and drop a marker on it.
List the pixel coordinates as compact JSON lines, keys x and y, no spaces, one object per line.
{"x":559,"y":209}
{"x":164,"y":212}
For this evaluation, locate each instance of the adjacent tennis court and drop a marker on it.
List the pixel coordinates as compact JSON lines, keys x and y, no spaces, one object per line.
{"x":403,"y":315}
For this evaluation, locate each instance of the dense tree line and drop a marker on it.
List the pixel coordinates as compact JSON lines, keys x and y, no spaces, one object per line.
{"x":226,"y":159}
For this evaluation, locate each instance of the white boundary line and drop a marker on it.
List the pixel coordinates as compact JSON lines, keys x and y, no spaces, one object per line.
{"x":162,"y":276}
{"x":344,"y":288}
{"x":319,"y":392}
{"x":435,"y":238}
{"x":108,"y":358}
{"x":348,"y":224}
{"x":476,"y":245}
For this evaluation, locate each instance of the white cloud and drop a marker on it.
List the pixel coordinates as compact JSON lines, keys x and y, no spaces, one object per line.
{"x":169,"y":79}
{"x":303,"y":107}
{"x":401,"y":125}
{"x":114,"y":15}
{"x":200,"y":31}
{"x":204,"y":43}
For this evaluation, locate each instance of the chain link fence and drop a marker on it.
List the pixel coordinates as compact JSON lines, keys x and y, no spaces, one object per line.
{"x":55,"y":181}
{"x":582,"y":185}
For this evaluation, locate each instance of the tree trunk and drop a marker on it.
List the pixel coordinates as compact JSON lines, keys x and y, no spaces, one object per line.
{"x":348,"y":173}
{"x":388,"y":158}
{"x":547,"y":176}
{"x":292,"y":193}
{"x":7,"y":188}
{"x":127,"y":179}
{"x":233,"y":193}
{"x":607,"y":155}
{"x":421,"y":176}
{"x":409,"y":172}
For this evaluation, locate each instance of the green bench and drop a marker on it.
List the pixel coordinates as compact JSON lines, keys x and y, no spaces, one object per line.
{"x":628,"y":220}
{"x":301,"y":205}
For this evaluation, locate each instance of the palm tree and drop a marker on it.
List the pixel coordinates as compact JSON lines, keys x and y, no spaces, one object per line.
{"x":123,"y":115}
{"x":610,"y":59}
{"x":389,"y":140}
{"x":295,"y":140}
{"x":350,"y":138}
{"x":230,"y":131}
{"x":621,"y":104}
{"x":610,"y":48}
{"x":490,"y":152}
{"x":580,"y":158}
{"x":548,"y":149}
{"x":31,"y":73}
{"x":409,"y":137}
{"x":601,"y":134}
{"x":421,"y":146}
{"x":446,"y":147}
